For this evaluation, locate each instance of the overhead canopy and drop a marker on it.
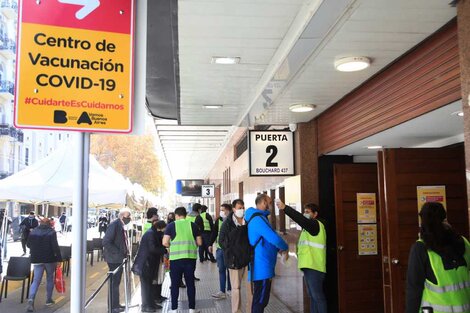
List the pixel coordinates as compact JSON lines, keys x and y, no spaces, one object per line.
{"x":51,"y":180}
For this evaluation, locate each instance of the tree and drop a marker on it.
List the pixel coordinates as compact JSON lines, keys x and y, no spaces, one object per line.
{"x":132,"y":156}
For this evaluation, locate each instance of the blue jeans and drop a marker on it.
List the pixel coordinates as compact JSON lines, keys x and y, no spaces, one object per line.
{"x":314,"y":281}
{"x":223,"y":277}
{"x":178,"y":268}
{"x":38,"y":272}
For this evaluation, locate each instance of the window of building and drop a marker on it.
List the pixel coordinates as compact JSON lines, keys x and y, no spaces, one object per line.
{"x":241,"y":147}
{"x":26,"y":156}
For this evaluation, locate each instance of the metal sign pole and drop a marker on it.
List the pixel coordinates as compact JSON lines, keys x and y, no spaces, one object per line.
{"x":79,"y":229}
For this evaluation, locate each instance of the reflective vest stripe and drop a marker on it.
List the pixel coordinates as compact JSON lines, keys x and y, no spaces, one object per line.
{"x":447,"y":308}
{"x":449,"y":288}
{"x":175,"y":243}
{"x":311,"y":244}
{"x":182,"y":252}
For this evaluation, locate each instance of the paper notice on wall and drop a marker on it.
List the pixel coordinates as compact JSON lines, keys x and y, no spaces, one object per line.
{"x":367,"y":239}
{"x":431,"y":194}
{"x":366,"y":208}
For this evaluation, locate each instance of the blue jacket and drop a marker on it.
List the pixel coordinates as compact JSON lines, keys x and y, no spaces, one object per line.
{"x":267,"y":247}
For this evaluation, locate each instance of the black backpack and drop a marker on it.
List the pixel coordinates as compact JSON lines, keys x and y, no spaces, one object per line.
{"x":238,"y":252}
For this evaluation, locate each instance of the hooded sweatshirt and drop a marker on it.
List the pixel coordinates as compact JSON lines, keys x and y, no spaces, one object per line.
{"x":267,"y":247}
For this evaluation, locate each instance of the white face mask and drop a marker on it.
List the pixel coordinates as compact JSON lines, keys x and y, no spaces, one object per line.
{"x":239,"y":213}
{"x":307,"y":215}
{"x":222,"y":214}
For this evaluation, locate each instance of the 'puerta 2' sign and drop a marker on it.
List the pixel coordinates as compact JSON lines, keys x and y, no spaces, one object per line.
{"x":271,"y":153}
{"x":75,"y":65}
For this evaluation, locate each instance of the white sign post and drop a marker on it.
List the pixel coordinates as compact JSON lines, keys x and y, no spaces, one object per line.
{"x":208,"y":191}
{"x":271,"y":153}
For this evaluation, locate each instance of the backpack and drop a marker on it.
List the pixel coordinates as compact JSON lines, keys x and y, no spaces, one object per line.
{"x":238,"y":252}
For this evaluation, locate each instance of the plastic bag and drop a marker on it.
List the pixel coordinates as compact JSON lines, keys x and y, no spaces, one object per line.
{"x":287,"y":262}
{"x":59,"y":279}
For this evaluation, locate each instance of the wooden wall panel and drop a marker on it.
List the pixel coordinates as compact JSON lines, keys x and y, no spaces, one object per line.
{"x":426,"y":78}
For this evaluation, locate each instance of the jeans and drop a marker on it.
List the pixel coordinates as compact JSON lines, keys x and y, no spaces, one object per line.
{"x":116,"y":283}
{"x":261,"y":293}
{"x":204,"y":253}
{"x":38,"y":272}
{"x":178,"y":268}
{"x":223,"y":277}
{"x":314,"y":281}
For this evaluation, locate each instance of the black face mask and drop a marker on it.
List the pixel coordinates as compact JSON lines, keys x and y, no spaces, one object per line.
{"x":126,"y":220}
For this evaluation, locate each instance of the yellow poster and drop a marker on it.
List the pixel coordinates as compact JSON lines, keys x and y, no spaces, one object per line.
{"x":366,"y":208}
{"x":431,"y":194}
{"x":367,"y":239}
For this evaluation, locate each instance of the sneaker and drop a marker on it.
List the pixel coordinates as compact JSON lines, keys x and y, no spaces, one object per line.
{"x":219,"y":295}
{"x":229,"y":292}
{"x":50,"y":302}
{"x":30,"y":307}
{"x":196,"y":279}
{"x":194,"y":311}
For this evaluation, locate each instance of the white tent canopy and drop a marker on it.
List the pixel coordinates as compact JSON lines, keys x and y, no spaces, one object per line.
{"x":51,"y":180}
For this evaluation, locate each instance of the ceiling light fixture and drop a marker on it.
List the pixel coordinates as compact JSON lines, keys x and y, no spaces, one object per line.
{"x":352,"y":64}
{"x":374,"y":147}
{"x":225,"y":60}
{"x":460,"y":114}
{"x":212,"y":106}
{"x":301,"y":108}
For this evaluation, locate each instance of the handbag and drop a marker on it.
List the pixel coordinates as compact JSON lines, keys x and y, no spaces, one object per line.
{"x":59,"y":279}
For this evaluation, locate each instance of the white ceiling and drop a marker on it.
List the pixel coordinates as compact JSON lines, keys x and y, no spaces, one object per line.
{"x":287,"y":50}
{"x":439,"y":128}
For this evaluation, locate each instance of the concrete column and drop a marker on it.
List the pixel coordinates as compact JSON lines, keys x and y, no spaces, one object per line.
{"x":306,"y":157}
{"x":463,"y":24}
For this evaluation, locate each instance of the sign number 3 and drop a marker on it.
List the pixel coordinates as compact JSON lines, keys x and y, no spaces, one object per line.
{"x":208,"y":192}
{"x":273,"y":150}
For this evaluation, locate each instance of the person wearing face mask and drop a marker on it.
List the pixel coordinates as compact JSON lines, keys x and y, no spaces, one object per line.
{"x":116,"y":249}
{"x":237,"y":274}
{"x":225,"y":210}
{"x":266,"y":244}
{"x":311,"y":252}
{"x":26,"y":226}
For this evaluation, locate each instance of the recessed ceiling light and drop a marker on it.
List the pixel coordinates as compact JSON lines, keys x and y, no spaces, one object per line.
{"x":212,"y":106}
{"x":301,"y":108}
{"x":374,"y":147}
{"x":457,"y":113}
{"x":460,"y":114}
{"x":352,"y":64}
{"x":225,"y":60}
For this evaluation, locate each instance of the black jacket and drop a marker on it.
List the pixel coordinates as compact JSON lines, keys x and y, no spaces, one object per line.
{"x":114,"y":244}
{"x":149,"y":254}
{"x":227,"y":226}
{"x":215,"y":230}
{"x":28,"y":224}
{"x":43,"y":245}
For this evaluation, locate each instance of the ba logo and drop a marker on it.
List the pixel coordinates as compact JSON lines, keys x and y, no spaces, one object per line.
{"x":84,"y":118}
{"x":60,"y":117}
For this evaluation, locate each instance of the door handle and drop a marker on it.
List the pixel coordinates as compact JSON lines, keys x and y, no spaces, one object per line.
{"x":395,"y":261}
{"x":340,"y":248}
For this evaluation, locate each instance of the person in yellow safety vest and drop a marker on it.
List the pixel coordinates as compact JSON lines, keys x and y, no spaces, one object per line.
{"x":206,"y":225}
{"x":311,"y":252}
{"x":224,"y":279}
{"x":152,"y":216}
{"x":438,"y":277}
{"x":182,"y":237}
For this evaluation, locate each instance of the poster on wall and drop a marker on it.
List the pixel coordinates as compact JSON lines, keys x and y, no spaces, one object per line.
{"x":367,"y":239}
{"x":271,"y":153}
{"x":366,"y":208}
{"x":431,"y":194}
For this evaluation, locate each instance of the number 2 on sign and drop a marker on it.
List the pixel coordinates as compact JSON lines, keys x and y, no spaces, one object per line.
{"x":273,"y":150}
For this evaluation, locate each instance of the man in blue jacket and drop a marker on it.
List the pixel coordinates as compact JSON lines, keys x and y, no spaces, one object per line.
{"x":267,"y":243}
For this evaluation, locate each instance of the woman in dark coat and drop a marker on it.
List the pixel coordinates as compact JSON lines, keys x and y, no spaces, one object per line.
{"x":146,"y":265}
